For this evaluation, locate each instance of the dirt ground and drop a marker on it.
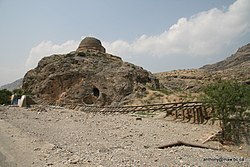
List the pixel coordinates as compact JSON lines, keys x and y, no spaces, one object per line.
{"x":61,"y":137}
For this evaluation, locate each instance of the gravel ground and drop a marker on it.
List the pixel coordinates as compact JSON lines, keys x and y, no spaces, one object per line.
{"x":60,"y":137}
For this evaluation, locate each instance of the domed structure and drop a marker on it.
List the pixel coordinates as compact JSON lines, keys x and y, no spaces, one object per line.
{"x":91,"y":44}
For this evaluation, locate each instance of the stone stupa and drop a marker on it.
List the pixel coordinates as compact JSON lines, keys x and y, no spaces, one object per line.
{"x":91,"y":44}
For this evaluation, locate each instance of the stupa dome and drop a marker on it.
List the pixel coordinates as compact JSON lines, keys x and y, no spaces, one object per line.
{"x":91,"y":44}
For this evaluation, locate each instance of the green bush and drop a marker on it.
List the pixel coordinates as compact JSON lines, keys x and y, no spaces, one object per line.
{"x":231,"y":100}
{"x":5,"y":96}
{"x":20,"y":92}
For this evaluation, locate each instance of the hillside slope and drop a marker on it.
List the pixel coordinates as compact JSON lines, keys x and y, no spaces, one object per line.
{"x":14,"y":85}
{"x":241,"y":57}
{"x":235,"y":67}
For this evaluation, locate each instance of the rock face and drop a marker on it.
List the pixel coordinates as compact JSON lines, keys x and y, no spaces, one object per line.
{"x":86,"y":76}
{"x":185,"y":80}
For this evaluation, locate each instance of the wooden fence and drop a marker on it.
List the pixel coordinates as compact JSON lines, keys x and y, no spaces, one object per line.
{"x":192,"y":112}
{"x":197,"y":112}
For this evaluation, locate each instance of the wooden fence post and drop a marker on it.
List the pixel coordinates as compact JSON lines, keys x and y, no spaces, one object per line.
{"x":202,"y":116}
{"x":198,"y":115}
{"x":194,"y":114}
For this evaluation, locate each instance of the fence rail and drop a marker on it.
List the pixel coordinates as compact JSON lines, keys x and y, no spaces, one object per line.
{"x":198,"y":112}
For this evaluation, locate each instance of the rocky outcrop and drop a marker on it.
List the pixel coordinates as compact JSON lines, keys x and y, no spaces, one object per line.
{"x":186,"y":80}
{"x":86,"y":77}
{"x":235,"y":67}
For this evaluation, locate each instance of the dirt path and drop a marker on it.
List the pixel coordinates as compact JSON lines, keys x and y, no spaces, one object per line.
{"x":61,"y":137}
{"x":19,"y":149}
{"x":16,"y":147}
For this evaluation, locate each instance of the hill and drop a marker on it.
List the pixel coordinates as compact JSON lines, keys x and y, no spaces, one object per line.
{"x":14,"y":85}
{"x":88,"y":75}
{"x":186,"y":84}
{"x":237,"y":60}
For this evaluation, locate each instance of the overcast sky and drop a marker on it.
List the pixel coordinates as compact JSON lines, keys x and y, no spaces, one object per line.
{"x":159,"y":35}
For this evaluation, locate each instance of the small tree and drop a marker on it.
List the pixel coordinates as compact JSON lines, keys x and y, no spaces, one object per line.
{"x":18,"y":92}
{"x":5,"y":96}
{"x":231,"y":100}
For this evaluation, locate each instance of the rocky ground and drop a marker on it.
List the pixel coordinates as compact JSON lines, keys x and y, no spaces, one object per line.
{"x":51,"y":136}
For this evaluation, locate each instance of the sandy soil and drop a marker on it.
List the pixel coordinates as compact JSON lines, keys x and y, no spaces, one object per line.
{"x":61,"y":137}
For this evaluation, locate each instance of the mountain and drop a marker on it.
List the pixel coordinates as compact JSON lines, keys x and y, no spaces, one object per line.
{"x":14,"y":85}
{"x":240,"y":58}
{"x":235,"y":67}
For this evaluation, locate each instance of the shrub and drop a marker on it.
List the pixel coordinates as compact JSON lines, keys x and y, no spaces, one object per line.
{"x":5,"y":96}
{"x":231,"y":100}
{"x":18,"y":92}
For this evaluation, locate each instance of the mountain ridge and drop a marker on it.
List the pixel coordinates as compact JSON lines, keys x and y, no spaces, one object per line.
{"x":13,"y":85}
{"x":242,"y":55}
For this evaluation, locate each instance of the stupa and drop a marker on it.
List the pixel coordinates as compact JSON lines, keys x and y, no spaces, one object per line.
{"x":91,"y":44}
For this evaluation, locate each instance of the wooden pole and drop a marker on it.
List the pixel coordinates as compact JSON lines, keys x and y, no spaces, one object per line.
{"x":194,"y":115}
{"x":198,"y":115}
{"x":181,"y":143}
